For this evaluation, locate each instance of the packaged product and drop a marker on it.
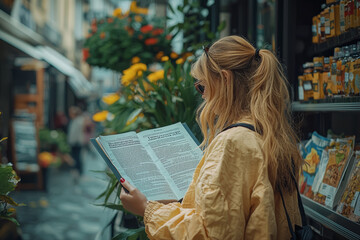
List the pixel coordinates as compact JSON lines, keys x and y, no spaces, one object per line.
{"x":338,"y":161}
{"x":356,"y":85}
{"x":327,"y":22}
{"x":315,"y":37}
{"x":332,"y":21}
{"x":342,"y":16}
{"x":351,"y":77}
{"x":337,"y":19}
{"x":349,"y":205}
{"x":301,"y":88}
{"x":311,"y":156}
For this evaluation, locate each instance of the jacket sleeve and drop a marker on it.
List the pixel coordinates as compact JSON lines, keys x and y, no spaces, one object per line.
{"x":222,"y":199}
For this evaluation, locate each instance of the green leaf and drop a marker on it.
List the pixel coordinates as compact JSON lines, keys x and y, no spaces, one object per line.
{"x":9,"y":200}
{"x":10,"y":219}
{"x":130,"y":234}
{"x":7,"y":179}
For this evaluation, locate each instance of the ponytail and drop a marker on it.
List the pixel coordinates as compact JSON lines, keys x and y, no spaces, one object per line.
{"x":270,"y":108}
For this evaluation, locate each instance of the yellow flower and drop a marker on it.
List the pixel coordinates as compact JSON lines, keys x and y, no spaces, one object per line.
{"x":133,"y":6}
{"x":135,"y":60}
{"x":148,"y":87}
{"x":155,"y":76}
{"x":139,"y":67}
{"x":100,"y":116}
{"x":159,"y":55}
{"x":174,"y":55}
{"x":128,"y":77}
{"x":117,"y":12}
{"x":138,"y":18}
{"x":164,"y":58}
{"x":180,"y":61}
{"x":111,"y":98}
{"x":132,"y":73}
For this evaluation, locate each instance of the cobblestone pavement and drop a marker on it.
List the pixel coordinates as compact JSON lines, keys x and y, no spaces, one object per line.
{"x":66,"y":210}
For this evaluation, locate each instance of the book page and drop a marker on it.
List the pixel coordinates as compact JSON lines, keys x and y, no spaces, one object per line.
{"x":177,"y":153}
{"x":135,"y":165}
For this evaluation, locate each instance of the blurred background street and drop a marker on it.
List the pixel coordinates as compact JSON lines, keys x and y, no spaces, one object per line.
{"x":66,"y":209}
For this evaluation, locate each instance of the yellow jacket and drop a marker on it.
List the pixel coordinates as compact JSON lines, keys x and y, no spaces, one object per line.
{"x":230,"y":197}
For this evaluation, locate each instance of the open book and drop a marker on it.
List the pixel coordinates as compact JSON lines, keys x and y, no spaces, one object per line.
{"x":159,"y":162}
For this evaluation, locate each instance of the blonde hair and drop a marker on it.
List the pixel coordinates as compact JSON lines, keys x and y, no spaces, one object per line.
{"x":255,"y":89}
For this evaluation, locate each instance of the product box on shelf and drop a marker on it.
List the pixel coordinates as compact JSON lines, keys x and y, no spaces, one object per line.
{"x":349,"y":205}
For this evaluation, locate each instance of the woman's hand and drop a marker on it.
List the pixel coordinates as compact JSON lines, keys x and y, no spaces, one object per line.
{"x":133,"y":201}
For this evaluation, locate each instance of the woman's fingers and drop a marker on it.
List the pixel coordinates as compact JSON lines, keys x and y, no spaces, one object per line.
{"x":133,"y":200}
{"x":126,"y":185}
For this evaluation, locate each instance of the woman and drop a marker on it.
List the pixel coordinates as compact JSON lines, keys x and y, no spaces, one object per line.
{"x":234,"y":193}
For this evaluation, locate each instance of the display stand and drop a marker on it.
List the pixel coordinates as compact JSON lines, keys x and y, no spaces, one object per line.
{"x":27,"y":120}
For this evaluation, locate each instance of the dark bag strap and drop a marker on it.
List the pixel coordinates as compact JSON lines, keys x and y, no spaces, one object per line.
{"x":293,"y":236}
{"x":249,"y":126}
{"x":300,"y":205}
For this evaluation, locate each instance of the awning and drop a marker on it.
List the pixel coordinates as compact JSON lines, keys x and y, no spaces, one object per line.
{"x":19,"y":44}
{"x":80,"y":85}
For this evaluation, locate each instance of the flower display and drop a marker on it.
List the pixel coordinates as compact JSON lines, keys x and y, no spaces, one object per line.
{"x":152,"y":97}
{"x":122,"y":39}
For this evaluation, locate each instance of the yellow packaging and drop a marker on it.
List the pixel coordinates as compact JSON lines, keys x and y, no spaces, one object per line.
{"x":316,"y":85}
{"x":332,"y":86}
{"x":346,"y":15}
{"x":332,"y":21}
{"x":357,"y":77}
{"x":322,"y":27}
{"x":342,"y":16}
{"x":339,"y":77}
{"x":314,"y":29}
{"x":351,"y":13}
{"x":330,"y":1}
{"x":346,"y":82}
{"x":326,"y":84}
{"x":351,"y":78}
{"x":337,"y":19}
{"x":327,"y":22}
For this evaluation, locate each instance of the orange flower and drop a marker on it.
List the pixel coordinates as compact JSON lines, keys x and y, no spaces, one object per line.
{"x":141,"y":37}
{"x":110,"y":20}
{"x":86,"y":53}
{"x":159,"y":54}
{"x":150,"y":41}
{"x":168,"y":37}
{"x":135,"y":60}
{"x":117,"y":12}
{"x":102,"y":35}
{"x":146,"y":28}
{"x":157,"y":31}
{"x":138,"y":18}
{"x":174,"y":55}
{"x":129,"y":30}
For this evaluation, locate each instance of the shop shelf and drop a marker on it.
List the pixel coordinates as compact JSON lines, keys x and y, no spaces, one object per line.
{"x":326,"y":107}
{"x":338,"y":41}
{"x":331,"y":219}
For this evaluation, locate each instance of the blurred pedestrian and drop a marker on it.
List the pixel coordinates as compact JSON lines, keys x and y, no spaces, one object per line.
{"x":75,"y":136}
{"x":235,"y":191}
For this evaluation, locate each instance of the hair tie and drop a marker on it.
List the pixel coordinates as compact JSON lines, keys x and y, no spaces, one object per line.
{"x":257,"y":56}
